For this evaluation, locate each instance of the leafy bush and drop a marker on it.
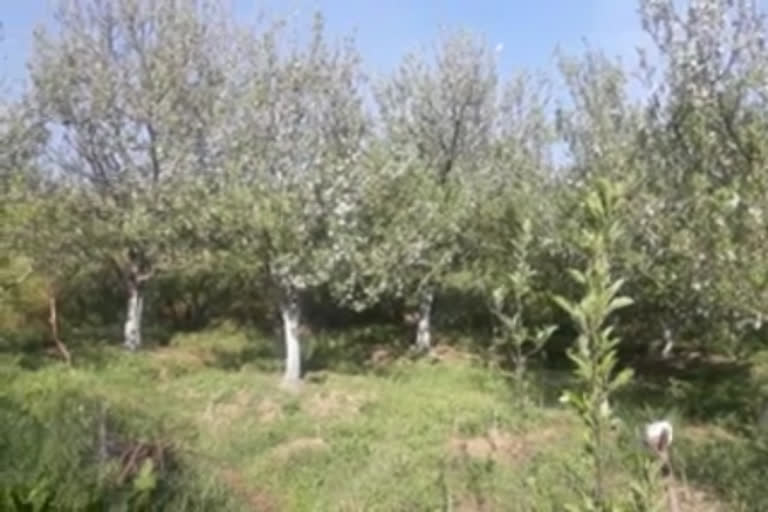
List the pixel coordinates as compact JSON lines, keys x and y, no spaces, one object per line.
{"x":66,"y":445}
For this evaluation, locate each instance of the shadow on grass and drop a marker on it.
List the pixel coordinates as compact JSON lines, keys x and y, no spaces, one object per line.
{"x":230,"y":347}
{"x":33,"y":349}
{"x":259,"y":355}
{"x":701,"y":388}
{"x":355,"y":351}
{"x":732,"y":467}
{"x":698,"y":386}
{"x":224,"y":347}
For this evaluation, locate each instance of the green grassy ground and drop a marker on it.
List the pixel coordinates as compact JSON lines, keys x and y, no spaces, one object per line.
{"x":442,"y":433}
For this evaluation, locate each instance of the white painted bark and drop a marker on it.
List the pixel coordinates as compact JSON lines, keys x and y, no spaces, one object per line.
{"x":669,"y":343}
{"x":424,"y":325}
{"x":132,"y":331}
{"x":290,"y":313}
{"x":53,"y":323}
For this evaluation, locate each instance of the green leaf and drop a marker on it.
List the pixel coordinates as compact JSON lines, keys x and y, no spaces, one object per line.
{"x":614,"y":288}
{"x":570,"y":308}
{"x":622,"y":378}
{"x":578,"y":276}
{"x":543,"y":334}
{"x":145,"y":480}
{"x":619,"y":303}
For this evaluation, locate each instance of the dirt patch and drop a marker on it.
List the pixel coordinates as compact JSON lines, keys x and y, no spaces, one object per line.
{"x":449,"y":354}
{"x":503,"y":446}
{"x":258,"y":500}
{"x":381,"y":356}
{"x":268,"y":411}
{"x":689,"y":500}
{"x":473,"y":504}
{"x":224,"y":413}
{"x":174,"y":355}
{"x":328,"y":404}
{"x":708,"y":433}
{"x":692,"y":499}
{"x":300,"y":445}
{"x":171,"y":362}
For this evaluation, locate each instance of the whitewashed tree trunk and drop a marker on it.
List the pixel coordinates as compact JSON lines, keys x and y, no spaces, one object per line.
{"x":53,"y":323}
{"x":290,"y":313}
{"x":424,"y":327}
{"x":132,"y":331}
{"x":669,"y":343}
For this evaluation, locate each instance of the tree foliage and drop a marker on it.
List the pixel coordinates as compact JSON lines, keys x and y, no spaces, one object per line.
{"x":212,"y":171}
{"x":168,"y":138}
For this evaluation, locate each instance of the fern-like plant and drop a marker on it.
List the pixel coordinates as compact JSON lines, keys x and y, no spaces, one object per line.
{"x":594,"y":353}
{"x":517,"y":341}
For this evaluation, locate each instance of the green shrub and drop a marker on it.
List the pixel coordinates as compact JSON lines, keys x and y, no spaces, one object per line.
{"x":65,"y":444}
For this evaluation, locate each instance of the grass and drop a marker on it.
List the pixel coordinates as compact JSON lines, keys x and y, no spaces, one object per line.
{"x":441,"y":433}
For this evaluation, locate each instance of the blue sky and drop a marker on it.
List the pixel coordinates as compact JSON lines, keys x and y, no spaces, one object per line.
{"x":529,"y":30}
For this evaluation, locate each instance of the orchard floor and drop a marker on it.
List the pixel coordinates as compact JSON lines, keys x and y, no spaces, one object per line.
{"x":398,"y":434}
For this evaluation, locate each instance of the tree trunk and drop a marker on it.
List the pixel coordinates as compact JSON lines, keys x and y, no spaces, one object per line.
{"x":669,"y":343}
{"x":289,"y":310}
{"x":132,"y":331}
{"x":423,"y":327}
{"x":53,"y":323}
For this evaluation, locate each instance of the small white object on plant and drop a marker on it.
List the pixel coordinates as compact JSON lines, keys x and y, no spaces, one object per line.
{"x":605,"y":409}
{"x":658,"y":435}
